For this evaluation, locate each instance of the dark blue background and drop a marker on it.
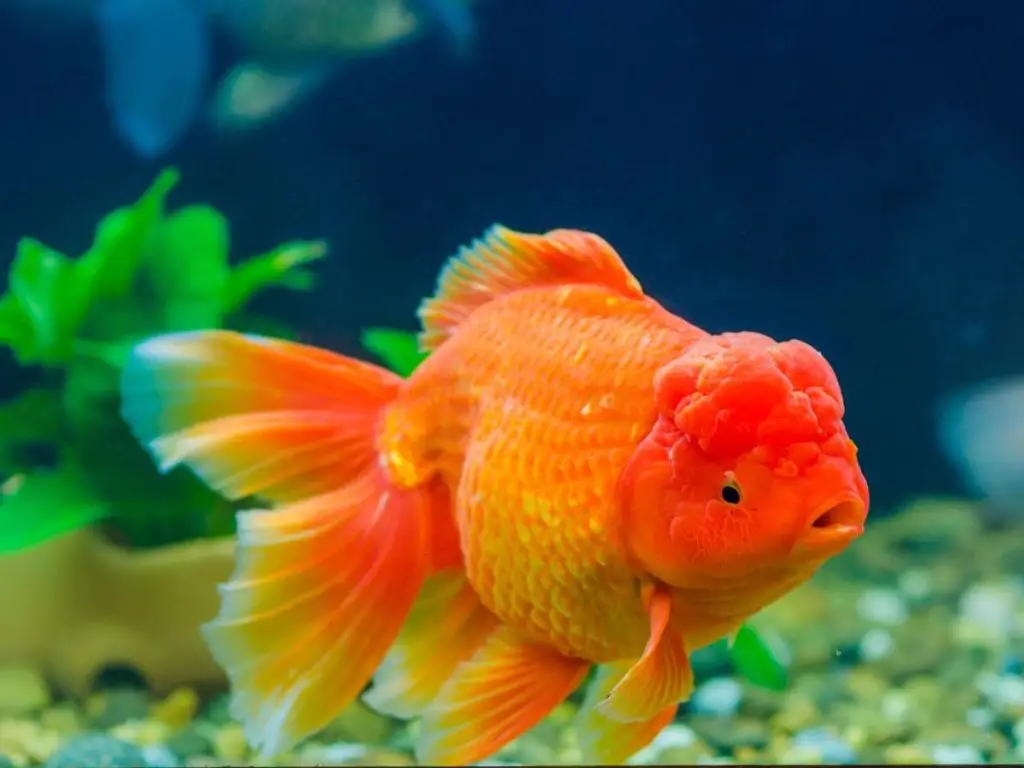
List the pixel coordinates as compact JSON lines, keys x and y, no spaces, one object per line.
{"x":849,"y":172}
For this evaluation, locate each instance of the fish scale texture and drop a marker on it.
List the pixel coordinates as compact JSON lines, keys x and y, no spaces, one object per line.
{"x":553,"y":393}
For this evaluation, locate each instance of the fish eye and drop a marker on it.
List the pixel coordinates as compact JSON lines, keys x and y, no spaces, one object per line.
{"x":731,"y":492}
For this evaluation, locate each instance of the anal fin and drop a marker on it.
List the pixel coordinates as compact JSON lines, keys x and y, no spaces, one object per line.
{"x":446,"y":626}
{"x":508,"y":686}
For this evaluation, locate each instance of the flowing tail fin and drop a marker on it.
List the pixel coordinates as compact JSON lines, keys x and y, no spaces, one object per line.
{"x":326,"y":577}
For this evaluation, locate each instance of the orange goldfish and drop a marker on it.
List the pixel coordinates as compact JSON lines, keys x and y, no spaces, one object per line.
{"x":574,"y":478}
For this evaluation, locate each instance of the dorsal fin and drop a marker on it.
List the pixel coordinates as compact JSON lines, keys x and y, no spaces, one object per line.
{"x":504,"y":261}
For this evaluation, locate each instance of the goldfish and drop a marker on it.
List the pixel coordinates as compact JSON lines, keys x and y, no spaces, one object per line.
{"x":157,"y":59}
{"x":575,"y":479}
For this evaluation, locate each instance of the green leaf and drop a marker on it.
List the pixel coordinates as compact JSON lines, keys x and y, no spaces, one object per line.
{"x":399,"y":350}
{"x":754,"y":660}
{"x":278,"y":267}
{"x":46,"y":505}
{"x":33,"y":418}
{"x":16,"y":328}
{"x":109,"y":267}
{"x":187,"y":266}
{"x":44,"y":284}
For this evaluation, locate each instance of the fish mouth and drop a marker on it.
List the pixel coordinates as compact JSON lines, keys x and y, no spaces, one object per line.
{"x":834,"y":523}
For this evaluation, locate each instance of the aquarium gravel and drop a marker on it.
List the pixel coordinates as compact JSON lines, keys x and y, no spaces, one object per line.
{"x":908,"y":649}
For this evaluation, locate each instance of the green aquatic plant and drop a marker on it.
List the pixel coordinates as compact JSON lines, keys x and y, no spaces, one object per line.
{"x":149,"y":270}
{"x":751,"y":656}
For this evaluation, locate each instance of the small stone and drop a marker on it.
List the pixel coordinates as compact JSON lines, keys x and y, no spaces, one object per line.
{"x":879,"y":605}
{"x":907,"y":754}
{"x":987,"y":614}
{"x":107,"y":709}
{"x":795,"y":755}
{"x":676,"y":744}
{"x":218,"y":711}
{"x":63,"y":719}
{"x":876,"y":644}
{"x":190,"y":741}
{"x":831,"y":748}
{"x":143,"y":733}
{"x":178,"y":709}
{"x":797,"y":713}
{"x":915,"y":584}
{"x":23,"y":691}
{"x":229,"y":743}
{"x":719,"y":696}
{"x":980,"y":718}
{"x":353,"y":754}
{"x":728,"y":734}
{"x":97,"y":750}
{"x":158,"y":756}
{"x":359,"y":724}
{"x":26,"y":741}
{"x":956,"y":754}
{"x":1005,"y":693}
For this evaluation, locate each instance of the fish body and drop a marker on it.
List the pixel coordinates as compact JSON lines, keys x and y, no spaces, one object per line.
{"x":574,"y":477}
{"x":157,"y":54}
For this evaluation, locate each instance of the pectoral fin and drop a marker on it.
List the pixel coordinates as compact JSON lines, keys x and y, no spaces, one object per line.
{"x":662,"y":677}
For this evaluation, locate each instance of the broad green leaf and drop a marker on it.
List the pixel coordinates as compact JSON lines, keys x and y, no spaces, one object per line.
{"x":46,"y":505}
{"x":33,"y":418}
{"x":44,"y":283}
{"x":109,"y":267}
{"x":399,"y":350}
{"x":754,"y":660}
{"x":112,"y":353}
{"x":16,"y":329}
{"x":187,"y":267}
{"x":279,"y":267}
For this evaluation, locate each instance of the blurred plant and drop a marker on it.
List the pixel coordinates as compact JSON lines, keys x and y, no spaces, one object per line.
{"x":148,"y":271}
{"x":751,"y":657}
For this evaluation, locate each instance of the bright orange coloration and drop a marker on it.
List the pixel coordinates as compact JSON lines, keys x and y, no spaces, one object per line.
{"x":574,"y":477}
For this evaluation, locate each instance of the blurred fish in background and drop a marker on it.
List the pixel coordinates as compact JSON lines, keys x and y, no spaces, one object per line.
{"x":157,"y":57}
{"x":981,"y":430}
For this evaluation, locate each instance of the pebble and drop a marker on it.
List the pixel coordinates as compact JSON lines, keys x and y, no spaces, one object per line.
{"x":830,"y":747}
{"x":987,"y":614}
{"x":178,"y":709}
{"x":956,"y":754}
{"x":359,"y":724}
{"x":191,"y":741}
{"x":229,"y":743}
{"x":23,"y":691}
{"x":96,"y":750}
{"x":880,"y":605}
{"x":677,"y":744}
{"x":1005,"y":693}
{"x":113,"y":707}
{"x":158,"y":756}
{"x":143,"y":733}
{"x":906,"y":754}
{"x":719,"y":696}
{"x":876,"y":644}
{"x":25,"y":740}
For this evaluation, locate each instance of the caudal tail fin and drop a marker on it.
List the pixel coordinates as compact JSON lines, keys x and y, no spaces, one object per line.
{"x":324,"y":578}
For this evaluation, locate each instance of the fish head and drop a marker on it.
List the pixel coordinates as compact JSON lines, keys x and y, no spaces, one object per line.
{"x":748,"y":470}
